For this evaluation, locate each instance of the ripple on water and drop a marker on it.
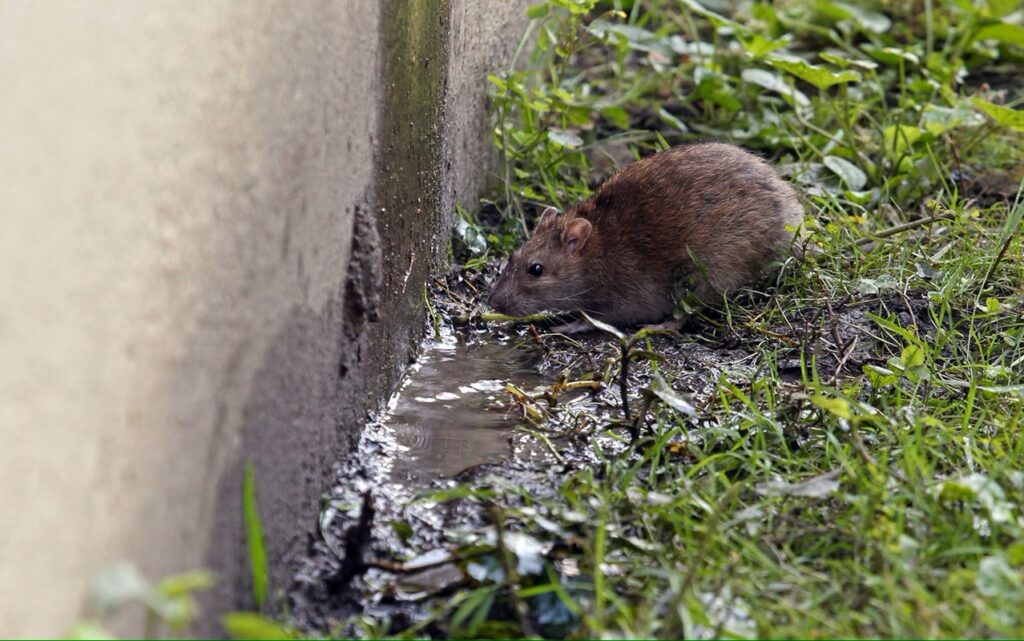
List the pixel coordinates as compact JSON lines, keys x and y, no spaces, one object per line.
{"x":451,"y":411}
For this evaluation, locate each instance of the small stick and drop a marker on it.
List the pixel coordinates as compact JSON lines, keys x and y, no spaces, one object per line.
{"x":639,"y":420}
{"x":511,"y":576}
{"x":624,"y":390}
{"x":447,"y":290}
{"x":897,"y":229}
{"x":535,"y":334}
{"x":846,"y":355}
{"x":1010,"y":233}
{"x":357,"y":538}
{"x":995,"y":263}
{"x":955,"y":152}
{"x":789,"y":340}
{"x":494,"y":316}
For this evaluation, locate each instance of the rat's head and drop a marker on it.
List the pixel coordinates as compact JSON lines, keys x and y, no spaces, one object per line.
{"x":547,"y":271}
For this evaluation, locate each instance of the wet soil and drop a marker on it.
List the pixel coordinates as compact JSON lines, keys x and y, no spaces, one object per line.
{"x":516,"y":407}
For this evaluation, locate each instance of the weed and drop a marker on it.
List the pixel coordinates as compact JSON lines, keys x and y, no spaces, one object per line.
{"x":254,"y":538}
{"x":860,"y":475}
{"x":169,"y":605}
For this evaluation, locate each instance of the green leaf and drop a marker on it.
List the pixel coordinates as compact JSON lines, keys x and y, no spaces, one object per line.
{"x":838,"y":406}
{"x":1000,"y":583}
{"x":249,"y":625}
{"x":758,"y":46}
{"x":1000,"y":8}
{"x":186,"y":583}
{"x":564,"y":138}
{"x":877,"y":284}
{"x":899,"y":137}
{"x":617,"y":116}
{"x":473,"y":611}
{"x":89,"y":630}
{"x":497,"y":81}
{"x":669,"y":397}
{"x":953,"y":490}
{"x":173,"y":599}
{"x":634,"y":37}
{"x":912,"y":356}
{"x":1003,"y":32}
{"x":451,"y":494}
{"x":712,"y":86}
{"x":866,"y":19}
{"x":879,"y":376}
{"x":908,"y":333}
{"x":937,"y":120}
{"x":671,"y":120}
{"x":814,"y":488}
{"x":910,"y":363}
{"x":605,"y":327}
{"x":538,"y":10}
{"x":116,"y":586}
{"x":820,"y":77}
{"x":402,"y":530}
{"x":984,"y":491}
{"x":775,"y":83}
{"x":843,"y":63}
{"x":1015,"y":553}
{"x":891,"y":55}
{"x":714,"y":18}
{"x":1012,"y":118}
{"x":254,"y":537}
{"x":851,"y":174}
{"x":576,"y":7}
{"x":646,"y":355}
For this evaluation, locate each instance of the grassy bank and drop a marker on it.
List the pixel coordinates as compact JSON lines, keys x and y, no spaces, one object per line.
{"x":858,"y":471}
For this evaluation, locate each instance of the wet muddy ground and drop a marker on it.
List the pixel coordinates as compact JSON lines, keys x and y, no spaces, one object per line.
{"x":513,"y":405}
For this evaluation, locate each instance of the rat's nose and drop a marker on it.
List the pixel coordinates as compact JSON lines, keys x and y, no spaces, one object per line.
{"x":496,"y":300}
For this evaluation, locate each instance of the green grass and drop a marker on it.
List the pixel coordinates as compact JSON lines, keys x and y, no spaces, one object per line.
{"x":254,"y":537}
{"x":885,"y":498}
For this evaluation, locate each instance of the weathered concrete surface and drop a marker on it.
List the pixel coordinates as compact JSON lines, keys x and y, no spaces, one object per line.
{"x":215,"y":223}
{"x":484,"y":37}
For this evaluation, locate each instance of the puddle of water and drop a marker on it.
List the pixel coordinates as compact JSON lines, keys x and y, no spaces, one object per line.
{"x":452,"y":412}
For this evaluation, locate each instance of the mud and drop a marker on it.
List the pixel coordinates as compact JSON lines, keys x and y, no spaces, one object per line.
{"x":492,"y":405}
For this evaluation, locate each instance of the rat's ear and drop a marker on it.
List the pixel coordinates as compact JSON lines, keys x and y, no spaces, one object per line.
{"x":547,"y":219}
{"x":576,"y":234}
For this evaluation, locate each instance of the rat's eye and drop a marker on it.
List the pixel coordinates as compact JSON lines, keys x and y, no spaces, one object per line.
{"x":535,"y":270}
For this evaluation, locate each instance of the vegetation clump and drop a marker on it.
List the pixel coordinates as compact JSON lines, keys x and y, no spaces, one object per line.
{"x":856,"y":469}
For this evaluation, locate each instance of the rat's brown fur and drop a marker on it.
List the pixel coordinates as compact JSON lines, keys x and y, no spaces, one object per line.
{"x":622,"y":254}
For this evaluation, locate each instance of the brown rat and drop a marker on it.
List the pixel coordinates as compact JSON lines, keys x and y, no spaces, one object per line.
{"x":626,"y":254}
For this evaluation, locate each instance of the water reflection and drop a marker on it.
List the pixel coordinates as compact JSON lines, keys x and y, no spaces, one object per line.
{"x":452,"y":412}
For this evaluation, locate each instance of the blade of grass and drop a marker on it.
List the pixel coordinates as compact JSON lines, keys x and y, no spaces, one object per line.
{"x":254,"y":537}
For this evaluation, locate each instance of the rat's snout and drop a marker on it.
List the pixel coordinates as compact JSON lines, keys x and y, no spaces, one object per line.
{"x":498,"y":298}
{"x":495,"y":300}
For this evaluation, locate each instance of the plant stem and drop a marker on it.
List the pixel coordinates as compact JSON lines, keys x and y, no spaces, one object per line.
{"x":624,"y":387}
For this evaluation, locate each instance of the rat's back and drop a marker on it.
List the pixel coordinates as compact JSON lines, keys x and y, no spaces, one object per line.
{"x":712,"y":202}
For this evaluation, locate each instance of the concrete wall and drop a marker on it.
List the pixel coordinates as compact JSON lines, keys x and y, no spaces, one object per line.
{"x":215,"y":223}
